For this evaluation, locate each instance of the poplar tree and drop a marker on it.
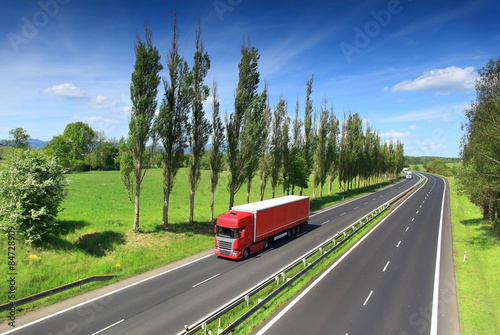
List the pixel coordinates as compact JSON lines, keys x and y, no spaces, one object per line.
{"x":143,"y":92}
{"x":216,"y":152}
{"x":172,"y":121}
{"x":285,"y":150}
{"x":308,"y":148}
{"x":254,"y":128}
{"x":332,"y":150}
{"x":265,"y":159}
{"x":276,"y":149}
{"x":297,"y":128}
{"x":200,"y":127}
{"x":245,"y":93}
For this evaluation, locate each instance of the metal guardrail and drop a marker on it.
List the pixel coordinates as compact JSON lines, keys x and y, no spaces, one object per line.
{"x":50,"y":292}
{"x":351,"y":229}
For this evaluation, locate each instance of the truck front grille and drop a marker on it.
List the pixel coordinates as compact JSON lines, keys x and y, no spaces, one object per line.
{"x":225,"y":247}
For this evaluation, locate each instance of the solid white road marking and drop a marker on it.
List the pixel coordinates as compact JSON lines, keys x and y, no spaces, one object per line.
{"x":386,"y":265}
{"x":207,"y":280}
{"x":435,"y":294}
{"x":114,"y":324}
{"x":368,"y":298}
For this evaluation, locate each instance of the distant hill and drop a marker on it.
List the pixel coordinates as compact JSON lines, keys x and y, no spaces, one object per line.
{"x":36,"y":144}
{"x":33,"y":143}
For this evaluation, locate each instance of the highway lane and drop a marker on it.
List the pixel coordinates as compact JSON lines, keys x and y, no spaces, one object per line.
{"x":386,"y":284}
{"x":165,"y":303}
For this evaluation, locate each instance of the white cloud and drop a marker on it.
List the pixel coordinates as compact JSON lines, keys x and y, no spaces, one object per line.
{"x":101,"y":102}
{"x":412,"y":127}
{"x":66,"y":90}
{"x":394,"y":134}
{"x":440,"y":81}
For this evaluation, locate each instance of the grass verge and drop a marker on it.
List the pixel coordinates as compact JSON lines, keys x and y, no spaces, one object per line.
{"x":477,"y":278}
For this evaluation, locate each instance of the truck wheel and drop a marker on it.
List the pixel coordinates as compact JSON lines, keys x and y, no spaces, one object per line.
{"x":288,"y":233}
{"x":298,"y":229}
{"x":246,"y":253}
{"x":266,"y":243}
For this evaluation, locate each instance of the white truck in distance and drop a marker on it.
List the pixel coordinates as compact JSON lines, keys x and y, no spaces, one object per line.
{"x":409,"y":175}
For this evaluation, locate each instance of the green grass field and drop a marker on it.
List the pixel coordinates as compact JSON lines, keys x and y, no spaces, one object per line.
{"x":96,"y":231}
{"x":478,"y":278}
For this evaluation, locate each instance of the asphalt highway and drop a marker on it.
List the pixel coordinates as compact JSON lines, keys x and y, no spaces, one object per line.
{"x":397,"y":280}
{"x":164,"y":303}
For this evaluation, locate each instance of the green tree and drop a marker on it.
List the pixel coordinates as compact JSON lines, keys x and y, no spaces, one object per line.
{"x":480,"y":176}
{"x":252,"y":146}
{"x":276,"y":148}
{"x":332,"y":149}
{"x":285,"y":151}
{"x":216,"y":151}
{"x":60,"y":148}
{"x":18,"y":138}
{"x":200,"y":127}
{"x":246,"y":92}
{"x":297,"y":126}
{"x":265,"y":159}
{"x":80,"y":137}
{"x":32,"y":188}
{"x":172,"y":122}
{"x":321,"y":155}
{"x":297,"y":174}
{"x":143,"y":92}
{"x":308,"y":148}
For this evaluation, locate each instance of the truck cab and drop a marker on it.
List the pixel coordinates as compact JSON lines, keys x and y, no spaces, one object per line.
{"x":234,"y":234}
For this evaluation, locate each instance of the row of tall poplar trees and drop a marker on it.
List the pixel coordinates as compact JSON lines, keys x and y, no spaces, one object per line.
{"x":255,"y":139}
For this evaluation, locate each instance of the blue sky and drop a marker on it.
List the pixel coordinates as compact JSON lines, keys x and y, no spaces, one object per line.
{"x":407,"y":67}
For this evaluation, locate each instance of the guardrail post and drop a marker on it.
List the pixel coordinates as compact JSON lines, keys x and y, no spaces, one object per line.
{"x":305,"y":262}
{"x":283,"y":275}
{"x":204,"y":327}
{"x":320,"y":251}
{"x":247,"y":299}
{"x":277,"y":278}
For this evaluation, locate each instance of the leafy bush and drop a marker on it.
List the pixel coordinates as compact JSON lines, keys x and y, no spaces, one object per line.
{"x":32,"y":187}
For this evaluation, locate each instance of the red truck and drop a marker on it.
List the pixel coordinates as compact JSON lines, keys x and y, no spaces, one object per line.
{"x":249,"y":228}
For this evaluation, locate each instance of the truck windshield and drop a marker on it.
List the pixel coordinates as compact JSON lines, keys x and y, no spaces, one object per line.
{"x":227,"y":232}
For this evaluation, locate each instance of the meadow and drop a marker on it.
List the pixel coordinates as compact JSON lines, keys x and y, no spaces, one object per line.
{"x":96,"y":236}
